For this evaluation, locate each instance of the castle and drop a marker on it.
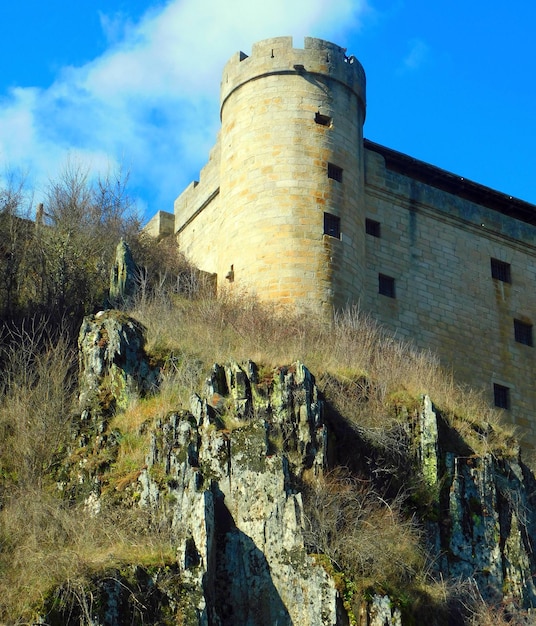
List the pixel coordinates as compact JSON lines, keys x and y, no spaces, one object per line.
{"x":296,"y":206}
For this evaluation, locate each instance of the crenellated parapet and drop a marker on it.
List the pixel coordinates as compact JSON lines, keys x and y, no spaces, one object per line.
{"x":277,"y":56}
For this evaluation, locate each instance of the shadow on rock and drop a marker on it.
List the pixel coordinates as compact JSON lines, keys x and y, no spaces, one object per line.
{"x":245,"y":594}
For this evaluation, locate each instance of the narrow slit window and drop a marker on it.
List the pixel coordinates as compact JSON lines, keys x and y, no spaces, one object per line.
{"x":335,"y":172}
{"x":323,"y":120}
{"x":500,"y":271}
{"x":372,"y":227}
{"x":332,"y":225}
{"x":386,"y":285}
{"x":523,"y":332}
{"x":501,"y":396}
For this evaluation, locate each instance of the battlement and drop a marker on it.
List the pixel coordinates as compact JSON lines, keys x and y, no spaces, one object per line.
{"x":277,"y":56}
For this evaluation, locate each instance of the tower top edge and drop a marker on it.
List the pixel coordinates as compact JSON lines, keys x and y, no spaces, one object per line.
{"x":278,"y":55}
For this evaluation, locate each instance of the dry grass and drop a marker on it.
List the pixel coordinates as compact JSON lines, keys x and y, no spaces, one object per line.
{"x":480,"y":612}
{"x":36,"y":406}
{"x":361,"y":368}
{"x":363,"y":535}
{"x":44,"y":540}
{"x":45,"y":543}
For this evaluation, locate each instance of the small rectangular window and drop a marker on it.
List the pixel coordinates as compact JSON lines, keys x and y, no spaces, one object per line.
{"x":523,"y":332}
{"x":372,"y":227}
{"x":386,"y":285}
{"x":501,"y":396}
{"x":500,"y":270}
{"x":332,"y":225}
{"x":335,"y":172}
{"x":323,"y":120}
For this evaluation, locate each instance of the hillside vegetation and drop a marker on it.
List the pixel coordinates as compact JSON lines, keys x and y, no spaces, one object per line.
{"x":52,"y":545}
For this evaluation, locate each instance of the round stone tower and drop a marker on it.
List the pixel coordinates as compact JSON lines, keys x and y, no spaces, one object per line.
{"x":291,"y":177}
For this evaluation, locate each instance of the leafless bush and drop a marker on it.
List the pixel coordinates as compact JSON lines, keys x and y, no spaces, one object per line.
{"x":164,"y":272}
{"x":38,"y":389}
{"x":361,"y":533}
{"x":480,"y":612}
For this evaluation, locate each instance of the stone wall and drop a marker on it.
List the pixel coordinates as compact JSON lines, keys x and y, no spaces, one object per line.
{"x":438,"y":248}
{"x":161,"y":224}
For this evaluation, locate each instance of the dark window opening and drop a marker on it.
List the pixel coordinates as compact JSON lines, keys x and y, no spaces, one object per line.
{"x":386,"y":285}
{"x":335,"y":172}
{"x":500,"y":270}
{"x":332,"y":225}
{"x":501,"y":396}
{"x":373,"y":228}
{"x":523,"y":332}
{"x":323,"y":120}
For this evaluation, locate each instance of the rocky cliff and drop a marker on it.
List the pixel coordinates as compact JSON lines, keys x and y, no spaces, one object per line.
{"x":232,"y":479}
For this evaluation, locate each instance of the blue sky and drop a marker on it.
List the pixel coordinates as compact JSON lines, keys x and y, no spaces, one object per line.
{"x":134,"y":84}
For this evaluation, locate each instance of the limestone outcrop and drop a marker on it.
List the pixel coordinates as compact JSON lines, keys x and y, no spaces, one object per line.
{"x":226,"y":476}
{"x":112,"y":361}
{"x":232,"y":466}
{"x":487,"y":518}
{"x":124,"y":274}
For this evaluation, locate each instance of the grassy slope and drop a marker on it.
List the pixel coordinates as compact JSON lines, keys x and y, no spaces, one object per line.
{"x":46,"y":540}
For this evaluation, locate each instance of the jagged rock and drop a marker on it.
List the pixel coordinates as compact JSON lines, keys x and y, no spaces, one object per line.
{"x":492,"y":526}
{"x":226,"y":475}
{"x":231,"y":496}
{"x":123,"y":275}
{"x":428,"y":442}
{"x":487,"y":515}
{"x":113,"y":369}
{"x":112,"y":361}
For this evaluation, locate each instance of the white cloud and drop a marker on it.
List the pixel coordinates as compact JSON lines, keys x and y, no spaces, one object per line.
{"x":150,"y":101}
{"x":417,"y":55}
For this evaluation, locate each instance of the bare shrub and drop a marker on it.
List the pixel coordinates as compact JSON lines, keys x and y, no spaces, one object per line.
{"x":73,"y":245}
{"x":466,"y":595}
{"x":361,"y":533}
{"x":38,"y":384}
{"x":46,"y":543}
{"x":164,"y":272}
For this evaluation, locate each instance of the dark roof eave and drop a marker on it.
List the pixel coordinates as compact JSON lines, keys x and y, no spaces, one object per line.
{"x":457,"y":185}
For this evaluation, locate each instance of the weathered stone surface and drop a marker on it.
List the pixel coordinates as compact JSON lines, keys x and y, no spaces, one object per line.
{"x":231,"y":496}
{"x":123,"y":275}
{"x":383,"y":613}
{"x":112,"y":361}
{"x":487,"y":515}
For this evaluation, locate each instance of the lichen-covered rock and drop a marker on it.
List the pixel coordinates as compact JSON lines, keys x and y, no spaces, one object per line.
{"x":428,"y":442}
{"x":112,"y":361}
{"x":113,"y":369}
{"x":225,"y":475}
{"x":381,"y":612}
{"x":231,"y":496}
{"x":123,"y":275}
{"x":487,"y":514}
{"x":492,"y":527}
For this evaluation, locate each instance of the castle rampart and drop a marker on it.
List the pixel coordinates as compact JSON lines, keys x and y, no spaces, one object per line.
{"x":297,"y":207}
{"x":291,"y":125}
